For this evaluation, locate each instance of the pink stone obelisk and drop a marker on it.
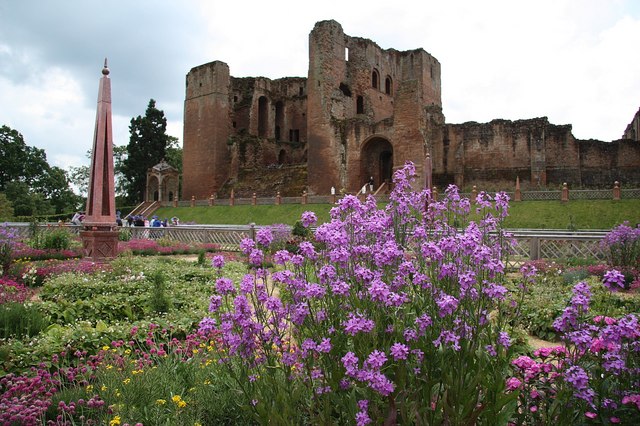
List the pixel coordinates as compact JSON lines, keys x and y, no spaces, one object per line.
{"x":100,"y":235}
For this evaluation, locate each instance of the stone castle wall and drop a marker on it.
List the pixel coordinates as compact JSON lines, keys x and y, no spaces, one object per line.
{"x":362,"y":112}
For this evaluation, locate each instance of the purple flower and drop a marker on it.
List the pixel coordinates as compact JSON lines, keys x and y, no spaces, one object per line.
{"x":376,"y":359}
{"x":217,"y":261}
{"x":399,"y":351}
{"x":504,"y":339}
{"x":309,"y":219}
{"x":225,"y":286}
{"x":447,"y":304}
{"x":613,"y":280}
{"x":215,"y":302}
{"x":264,"y":237}
{"x":246,"y":245}
{"x":357,"y":323}
{"x":207,"y":325}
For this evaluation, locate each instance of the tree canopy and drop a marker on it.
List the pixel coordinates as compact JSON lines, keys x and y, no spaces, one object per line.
{"x":148,"y":143}
{"x":28,"y":181}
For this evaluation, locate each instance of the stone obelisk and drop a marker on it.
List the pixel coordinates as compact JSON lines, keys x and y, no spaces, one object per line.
{"x":100,"y":235}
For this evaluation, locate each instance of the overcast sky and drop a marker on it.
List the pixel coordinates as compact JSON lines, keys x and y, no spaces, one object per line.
{"x":573,"y":61}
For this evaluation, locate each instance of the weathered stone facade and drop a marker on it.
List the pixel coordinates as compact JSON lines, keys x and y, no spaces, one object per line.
{"x":364,"y":111}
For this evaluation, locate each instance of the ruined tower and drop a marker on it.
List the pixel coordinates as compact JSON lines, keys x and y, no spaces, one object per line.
{"x":206,"y":130}
{"x":369,"y":109}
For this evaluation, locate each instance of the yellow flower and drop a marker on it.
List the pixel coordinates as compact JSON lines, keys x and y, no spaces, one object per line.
{"x":176,"y":398}
{"x":103,"y":388}
{"x":197,"y":424}
{"x":182,"y":404}
{"x":126,"y":381}
{"x":207,"y":382}
{"x":109,"y":367}
{"x":127,"y":351}
{"x":134,"y":372}
{"x":115,"y":421}
{"x":161,"y":401}
{"x":195,"y":351}
{"x":105,"y":348}
{"x":89,"y":388}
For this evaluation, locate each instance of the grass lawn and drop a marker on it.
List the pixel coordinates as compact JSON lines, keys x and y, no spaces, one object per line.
{"x":576,"y":214}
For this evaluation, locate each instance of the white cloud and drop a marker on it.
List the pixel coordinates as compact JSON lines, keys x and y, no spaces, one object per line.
{"x":573,"y":61}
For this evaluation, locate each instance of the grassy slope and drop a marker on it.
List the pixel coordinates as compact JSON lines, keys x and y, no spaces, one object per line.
{"x":580,"y":214}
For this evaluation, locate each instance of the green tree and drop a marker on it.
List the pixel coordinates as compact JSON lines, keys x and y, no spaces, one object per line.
{"x":29,"y":182}
{"x":148,"y":144}
{"x":6,"y":208}
{"x":19,"y":162}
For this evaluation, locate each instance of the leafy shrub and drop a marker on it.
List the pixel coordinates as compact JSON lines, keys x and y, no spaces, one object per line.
{"x":58,"y":238}
{"x":574,"y":275}
{"x":18,"y":320}
{"x":623,"y":246}
{"x":159,"y":301}
{"x":124,"y":234}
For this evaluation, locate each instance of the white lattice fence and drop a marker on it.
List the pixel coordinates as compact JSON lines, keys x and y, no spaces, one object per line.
{"x":573,"y":248}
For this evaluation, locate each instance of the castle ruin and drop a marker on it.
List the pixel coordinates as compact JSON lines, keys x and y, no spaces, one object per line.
{"x":362,"y":112}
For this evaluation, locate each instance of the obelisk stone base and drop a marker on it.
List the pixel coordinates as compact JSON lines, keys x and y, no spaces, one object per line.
{"x":99,"y":246}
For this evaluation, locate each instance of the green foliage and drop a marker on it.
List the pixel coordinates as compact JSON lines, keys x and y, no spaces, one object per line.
{"x":124,"y":234}
{"x":572,"y":276}
{"x":545,"y":300}
{"x":159,"y":301}
{"x":299,"y":230}
{"x":6,"y":208}
{"x":19,"y":320}
{"x":57,"y":239}
{"x":29,"y":182}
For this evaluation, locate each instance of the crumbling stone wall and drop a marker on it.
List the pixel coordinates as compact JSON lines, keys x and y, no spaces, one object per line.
{"x":363,"y":111}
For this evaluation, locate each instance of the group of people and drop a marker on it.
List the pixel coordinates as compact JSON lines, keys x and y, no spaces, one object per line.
{"x":154,"y":222}
{"x":136,"y":220}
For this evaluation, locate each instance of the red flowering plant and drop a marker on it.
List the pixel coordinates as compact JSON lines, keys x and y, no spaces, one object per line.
{"x":390,"y":316}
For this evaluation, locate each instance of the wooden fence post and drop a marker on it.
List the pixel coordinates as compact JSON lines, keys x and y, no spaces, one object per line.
{"x":616,"y":190}
{"x":193,"y":201}
{"x":278,"y":198}
{"x":304,"y":197}
{"x":253,"y":199}
{"x":474,"y":194}
{"x":232,"y":198}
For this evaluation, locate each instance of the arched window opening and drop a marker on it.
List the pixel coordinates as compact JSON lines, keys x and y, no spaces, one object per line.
{"x":375,"y":78}
{"x":360,"y":105}
{"x":282,"y":157}
{"x":156,"y":195}
{"x":170,"y":195}
{"x":387,"y":85}
{"x":262,"y":116}
{"x":279,"y":118}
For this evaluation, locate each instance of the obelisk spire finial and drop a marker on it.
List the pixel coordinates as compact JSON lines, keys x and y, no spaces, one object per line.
{"x":105,"y":70}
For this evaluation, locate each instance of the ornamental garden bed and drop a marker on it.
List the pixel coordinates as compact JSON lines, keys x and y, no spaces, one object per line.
{"x":362,"y":322}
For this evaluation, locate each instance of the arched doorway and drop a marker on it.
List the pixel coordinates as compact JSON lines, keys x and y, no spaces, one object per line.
{"x":376,"y":161}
